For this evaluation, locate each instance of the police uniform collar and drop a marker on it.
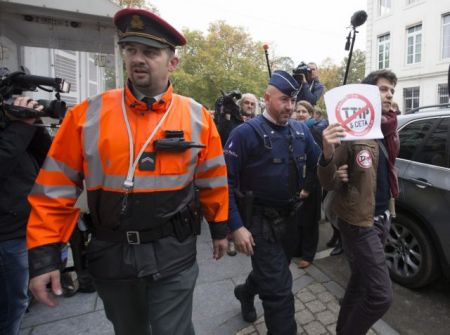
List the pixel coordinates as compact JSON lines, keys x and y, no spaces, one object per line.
{"x":269,"y":118}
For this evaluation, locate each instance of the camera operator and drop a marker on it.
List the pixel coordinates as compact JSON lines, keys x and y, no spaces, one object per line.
{"x":23,"y":148}
{"x":227,"y":114}
{"x":311,"y":89}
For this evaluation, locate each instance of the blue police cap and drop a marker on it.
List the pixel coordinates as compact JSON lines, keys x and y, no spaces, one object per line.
{"x":284,"y":82}
{"x":144,"y":27}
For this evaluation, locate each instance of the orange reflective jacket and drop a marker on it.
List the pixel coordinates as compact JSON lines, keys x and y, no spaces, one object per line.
{"x":92,"y":145}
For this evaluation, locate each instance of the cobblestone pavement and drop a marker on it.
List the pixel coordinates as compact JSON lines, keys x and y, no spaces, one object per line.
{"x":316,"y":311}
{"x":316,"y":305}
{"x":215,"y":310}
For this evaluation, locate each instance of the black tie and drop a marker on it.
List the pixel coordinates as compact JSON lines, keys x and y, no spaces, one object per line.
{"x":149,"y":102}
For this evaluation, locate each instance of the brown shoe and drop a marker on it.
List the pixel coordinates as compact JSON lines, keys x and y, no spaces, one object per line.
{"x":303,"y":264}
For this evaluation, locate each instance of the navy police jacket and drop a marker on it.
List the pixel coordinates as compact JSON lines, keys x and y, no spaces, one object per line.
{"x":257,"y":156}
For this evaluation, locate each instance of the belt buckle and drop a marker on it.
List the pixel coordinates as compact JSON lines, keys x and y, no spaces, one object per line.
{"x":133,"y":237}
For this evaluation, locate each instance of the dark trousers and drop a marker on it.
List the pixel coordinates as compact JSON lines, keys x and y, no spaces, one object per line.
{"x":369,"y":292}
{"x":144,"y":306}
{"x":271,"y":279}
{"x":13,"y":285}
{"x":309,"y":217}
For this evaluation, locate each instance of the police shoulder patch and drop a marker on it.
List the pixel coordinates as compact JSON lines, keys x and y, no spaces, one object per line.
{"x":364,"y":159}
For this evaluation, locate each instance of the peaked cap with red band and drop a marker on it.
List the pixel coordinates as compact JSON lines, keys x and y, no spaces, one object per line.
{"x":144,"y":27}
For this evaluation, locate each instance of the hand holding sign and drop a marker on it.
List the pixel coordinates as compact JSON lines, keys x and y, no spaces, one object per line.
{"x":357,"y":108}
{"x":331,"y":137}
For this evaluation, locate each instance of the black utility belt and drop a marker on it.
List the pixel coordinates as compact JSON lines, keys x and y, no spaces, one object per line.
{"x":134,"y":236}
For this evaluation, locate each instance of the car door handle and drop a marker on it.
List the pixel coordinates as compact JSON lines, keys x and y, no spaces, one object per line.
{"x":420,"y":182}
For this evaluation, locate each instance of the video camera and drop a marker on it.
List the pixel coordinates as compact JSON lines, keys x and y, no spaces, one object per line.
{"x":226,"y":105}
{"x":226,"y":113}
{"x":301,"y":69}
{"x":17,"y":82}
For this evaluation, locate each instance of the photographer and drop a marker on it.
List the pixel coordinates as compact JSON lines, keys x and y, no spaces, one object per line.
{"x":23,"y":148}
{"x":311,"y":89}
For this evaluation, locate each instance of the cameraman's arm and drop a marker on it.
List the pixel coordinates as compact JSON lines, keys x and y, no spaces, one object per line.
{"x":311,"y":94}
{"x":15,"y":138}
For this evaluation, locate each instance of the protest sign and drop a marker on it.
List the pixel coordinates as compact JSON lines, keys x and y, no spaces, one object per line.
{"x":357,"y":108}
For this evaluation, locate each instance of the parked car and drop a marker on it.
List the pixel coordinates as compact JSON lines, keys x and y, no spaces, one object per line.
{"x":418,"y":248}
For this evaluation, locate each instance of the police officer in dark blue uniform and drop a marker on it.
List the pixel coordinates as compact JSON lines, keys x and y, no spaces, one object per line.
{"x":267,"y":159}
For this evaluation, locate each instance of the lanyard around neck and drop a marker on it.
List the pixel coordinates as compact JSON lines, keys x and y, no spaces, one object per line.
{"x":129,"y":181}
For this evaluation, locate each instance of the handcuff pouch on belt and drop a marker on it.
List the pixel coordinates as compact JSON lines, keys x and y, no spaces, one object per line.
{"x":275,"y":221}
{"x":187,"y":222}
{"x":274,"y":224}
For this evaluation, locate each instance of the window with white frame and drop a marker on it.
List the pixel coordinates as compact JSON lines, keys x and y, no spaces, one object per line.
{"x":384,"y":7}
{"x":446,"y":36}
{"x":411,"y":98}
{"x":443,"y":94}
{"x":383,"y":51}
{"x":414,"y":44}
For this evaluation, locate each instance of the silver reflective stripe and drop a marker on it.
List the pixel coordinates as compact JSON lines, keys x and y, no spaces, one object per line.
{"x":211,"y":163}
{"x":211,"y":182}
{"x":196,"y":120}
{"x":97,"y":177}
{"x":91,"y":131}
{"x":54,"y":192}
{"x":163,"y":182}
{"x":54,"y":165}
{"x":150,"y":182}
{"x":196,"y":128}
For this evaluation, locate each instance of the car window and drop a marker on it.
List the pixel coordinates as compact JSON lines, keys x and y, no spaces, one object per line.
{"x":412,"y":136}
{"x":436,"y":148}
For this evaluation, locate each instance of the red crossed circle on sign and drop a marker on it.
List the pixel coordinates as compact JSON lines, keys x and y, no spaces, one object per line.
{"x":367,"y":106}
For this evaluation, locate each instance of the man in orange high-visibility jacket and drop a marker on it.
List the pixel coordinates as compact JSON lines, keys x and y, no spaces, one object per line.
{"x":146,"y":155}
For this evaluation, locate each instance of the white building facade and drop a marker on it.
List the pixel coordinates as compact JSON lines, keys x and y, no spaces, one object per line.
{"x":73,"y":40}
{"x":80,"y":69}
{"x":412,"y":38}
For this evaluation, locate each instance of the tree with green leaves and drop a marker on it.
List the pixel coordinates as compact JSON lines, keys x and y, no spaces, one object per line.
{"x":136,"y":4}
{"x":332,"y":75}
{"x":283,"y":63}
{"x":224,"y":59}
{"x":357,"y":68}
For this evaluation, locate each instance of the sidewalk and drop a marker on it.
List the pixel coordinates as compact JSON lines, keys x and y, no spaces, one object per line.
{"x":215,"y":311}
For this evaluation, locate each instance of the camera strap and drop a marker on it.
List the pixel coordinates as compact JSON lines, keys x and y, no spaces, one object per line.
{"x":129,"y":181}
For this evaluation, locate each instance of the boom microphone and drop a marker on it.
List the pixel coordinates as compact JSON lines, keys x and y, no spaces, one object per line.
{"x":358,"y":18}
